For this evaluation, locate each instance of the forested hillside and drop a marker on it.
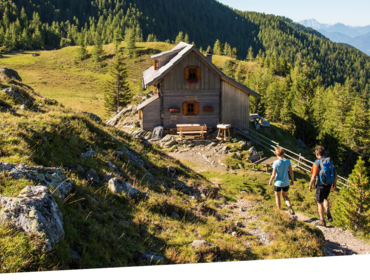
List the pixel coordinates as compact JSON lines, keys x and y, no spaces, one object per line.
{"x":38,"y":24}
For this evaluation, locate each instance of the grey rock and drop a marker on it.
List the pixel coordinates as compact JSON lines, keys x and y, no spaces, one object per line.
{"x":116,"y":119}
{"x":115,"y":169}
{"x":133,"y":111}
{"x":170,"y":169}
{"x":95,"y":118}
{"x":15,"y":94}
{"x":10,"y":73}
{"x":153,"y":257}
{"x":53,"y":178}
{"x":108,"y":176}
{"x":234,"y":234}
{"x":201,"y":243}
{"x":119,"y":186}
{"x":168,"y":141}
{"x":80,"y":168}
{"x":301,"y":144}
{"x":119,"y":153}
{"x":92,"y":177}
{"x":23,"y":107}
{"x":34,"y":210}
{"x":133,"y":157}
{"x":90,"y":153}
{"x":252,"y":151}
{"x":139,"y":133}
{"x":175,"y":215}
{"x":213,"y":144}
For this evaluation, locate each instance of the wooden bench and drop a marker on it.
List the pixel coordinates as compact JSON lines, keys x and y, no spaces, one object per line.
{"x":187,"y":129}
{"x":266,"y":162}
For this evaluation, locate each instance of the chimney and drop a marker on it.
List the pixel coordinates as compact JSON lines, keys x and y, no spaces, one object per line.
{"x":209,"y":56}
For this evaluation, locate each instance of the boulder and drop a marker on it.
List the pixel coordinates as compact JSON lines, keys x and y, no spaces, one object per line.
{"x":116,"y":119}
{"x":90,"y":153}
{"x":133,"y":157}
{"x":23,"y":107}
{"x":34,"y":210}
{"x":243,"y":144}
{"x":108,"y":176}
{"x":10,"y":73}
{"x":95,"y":118}
{"x":151,"y":257}
{"x":138,"y":133}
{"x":115,"y":169}
{"x":200,"y":243}
{"x":80,"y":168}
{"x":53,"y":178}
{"x":168,"y":141}
{"x":92,"y":177}
{"x":14,"y":94}
{"x":252,"y":151}
{"x":119,"y":186}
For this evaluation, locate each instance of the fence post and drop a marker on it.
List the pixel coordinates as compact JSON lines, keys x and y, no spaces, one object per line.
{"x":299,"y":160}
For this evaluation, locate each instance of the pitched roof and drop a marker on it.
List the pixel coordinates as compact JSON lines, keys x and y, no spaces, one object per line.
{"x":151,"y":76}
{"x":148,"y":101}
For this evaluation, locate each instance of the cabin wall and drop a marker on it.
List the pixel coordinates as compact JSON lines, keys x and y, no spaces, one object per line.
{"x":151,"y":116}
{"x":205,"y":98}
{"x":175,"y":79}
{"x":235,"y":106}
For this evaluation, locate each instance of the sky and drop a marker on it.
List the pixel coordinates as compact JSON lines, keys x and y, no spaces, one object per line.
{"x":354,"y":13}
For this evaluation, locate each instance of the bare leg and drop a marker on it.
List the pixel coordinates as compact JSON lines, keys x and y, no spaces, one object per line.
{"x":321,"y":211}
{"x":286,"y":199}
{"x":278,"y":203}
{"x":326,"y":205}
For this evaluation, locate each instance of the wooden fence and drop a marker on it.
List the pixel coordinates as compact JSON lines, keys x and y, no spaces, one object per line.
{"x":298,"y":160}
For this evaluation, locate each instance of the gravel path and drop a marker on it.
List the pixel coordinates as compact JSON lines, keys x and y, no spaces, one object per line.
{"x":338,"y":241}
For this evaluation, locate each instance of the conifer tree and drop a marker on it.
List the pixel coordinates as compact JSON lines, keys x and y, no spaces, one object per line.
{"x":186,"y":39}
{"x":82,"y":51}
{"x":118,"y":92}
{"x":98,"y":51}
{"x":250,"y":56}
{"x":228,"y":68}
{"x":238,"y":73}
{"x":352,"y":209}
{"x":117,"y":39}
{"x":179,"y":38}
{"x":217,"y":49}
{"x":130,"y":41}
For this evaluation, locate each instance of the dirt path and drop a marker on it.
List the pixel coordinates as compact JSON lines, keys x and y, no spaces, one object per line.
{"x":338,"y":241}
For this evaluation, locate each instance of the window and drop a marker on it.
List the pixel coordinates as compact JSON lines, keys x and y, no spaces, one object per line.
{"x":192,"y":74}
{"x":190,"y":108}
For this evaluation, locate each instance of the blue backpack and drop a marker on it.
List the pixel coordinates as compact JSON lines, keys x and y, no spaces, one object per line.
{"x":326,"y":171}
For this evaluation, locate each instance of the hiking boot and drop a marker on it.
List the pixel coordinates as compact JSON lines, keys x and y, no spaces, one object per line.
{"x":322,"y":223}
{"x":291,"y":211}
{"x":330,"y":218}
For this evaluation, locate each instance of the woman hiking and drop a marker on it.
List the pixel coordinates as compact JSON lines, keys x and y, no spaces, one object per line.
{"x":281,"y":167}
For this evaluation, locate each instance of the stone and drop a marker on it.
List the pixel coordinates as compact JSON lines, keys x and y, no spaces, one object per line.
{"x":139,"y":133}
{"x":53,"y":178}
{"x":238,"y":224}
{"x":90,"y":153}
{"x":10,"y":73}
{"x":300,"y":144}
{"x":238,"y":155}
{"x":119,"y":186}
{"x":108,"y":176}
{"x":153,"y":257}
{"x":80,"y":168}
{"x":95,"y":118}
{"x":120,"y":154}
{"x":92,"y":177}
{"x":213,"y":144}
{"x":252,"y":151}
{"x":170,"y":169}
{"x":14,"y":94}
{"x":168,"y":141}
{"x":175,"y":215}
{"x":133,"y":157}
{"x":115,"y":169}
{"x":133,"y":111}
{"x":242,"y":144}
{"x":200,"y":243}
{"x":23,"y":107}
{"x":35,"y":54}
{"x":117,"y":118}
{"x":234,"y":234}
{"x":34,"y":210}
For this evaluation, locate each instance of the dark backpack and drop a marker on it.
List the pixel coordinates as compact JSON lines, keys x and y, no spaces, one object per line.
{"x":326,"y":171}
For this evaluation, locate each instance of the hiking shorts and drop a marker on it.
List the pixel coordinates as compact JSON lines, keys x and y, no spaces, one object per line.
{"x":279,"y":189}
{"x":322,"y":193}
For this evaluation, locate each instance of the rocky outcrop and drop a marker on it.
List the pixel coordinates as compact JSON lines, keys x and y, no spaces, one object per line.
{"x":129,"y":111}
{"x":115,"y":169}
{"x":201,"y":243}
{"x":34,"y":210}
{"x":10,"y":74}
{"x":119,"y":186}
{"x":53,"y":178}
{"x":92,"y":177}
{"x":133,"y":157}
{"x":168,"y":141}
{"x":14,"y":94}
{"x":139,"y":133}
{"x":95,"y":118}
{"x":89,"y":153}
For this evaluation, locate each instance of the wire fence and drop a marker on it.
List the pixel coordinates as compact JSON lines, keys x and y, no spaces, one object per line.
{"x":298,"y":160}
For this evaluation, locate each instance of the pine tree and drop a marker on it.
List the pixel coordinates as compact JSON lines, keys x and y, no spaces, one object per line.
{"x":352,"y":209}
{"x":238,"y":73}
{"x":130,"y":41}
{"x":82,"y":51}
{"x":250,"y":56}
{"x":217,"y":50}
{"x":117,"y":39}
{"x":228,"y":68}
{"x":118,"y":92}
{"x":98,"y":51}
{"x":179,"y":38}
{"x":186,"y":39}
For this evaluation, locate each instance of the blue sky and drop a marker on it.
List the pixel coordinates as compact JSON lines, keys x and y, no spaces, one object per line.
{"x":355,"y":12}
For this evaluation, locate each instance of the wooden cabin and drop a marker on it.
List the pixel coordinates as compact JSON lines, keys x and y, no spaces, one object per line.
{"x":190,"y":89}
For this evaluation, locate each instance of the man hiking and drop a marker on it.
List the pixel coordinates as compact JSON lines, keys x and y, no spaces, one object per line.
{"x":325,"y":175}
{"x":281,"y":168}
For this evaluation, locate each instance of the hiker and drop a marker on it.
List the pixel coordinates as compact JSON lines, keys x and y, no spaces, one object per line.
{"x":325,"y":175}
{"x":280,"y":174}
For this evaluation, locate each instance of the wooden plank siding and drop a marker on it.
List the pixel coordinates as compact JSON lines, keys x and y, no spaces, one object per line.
{"x":151,"y":116}
{"x":235,"y":106}
{"x":205,"y":98}
{"x":174,"y":80}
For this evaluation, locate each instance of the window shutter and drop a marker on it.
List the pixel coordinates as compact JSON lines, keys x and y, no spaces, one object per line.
{"x":196,"y":108}
{"x":185,"y":108}
{"x":199,"y":73}
{"x":140,"y":114}
{"x":187,"y":73}
{"x":155,"y":64}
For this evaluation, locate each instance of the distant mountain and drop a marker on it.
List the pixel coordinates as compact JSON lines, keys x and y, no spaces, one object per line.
{"x":357,"y":36}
